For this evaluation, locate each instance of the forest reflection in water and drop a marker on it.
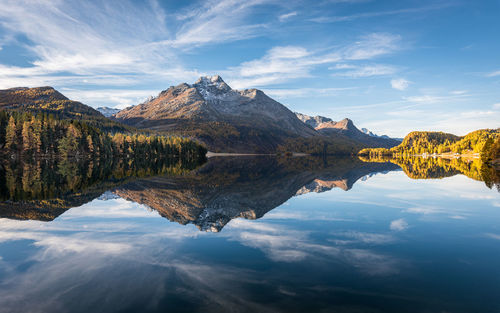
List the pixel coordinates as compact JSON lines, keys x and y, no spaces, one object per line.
{"x":208,"y":195}
{"x":278,"y":235}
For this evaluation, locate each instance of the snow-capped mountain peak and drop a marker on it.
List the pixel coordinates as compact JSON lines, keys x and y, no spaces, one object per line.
{"x":213,"y":88}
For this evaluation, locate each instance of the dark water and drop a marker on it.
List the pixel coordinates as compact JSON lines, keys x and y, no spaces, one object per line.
{"x":250,"y":235}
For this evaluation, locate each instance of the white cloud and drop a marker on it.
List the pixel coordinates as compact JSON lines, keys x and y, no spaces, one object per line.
{"x":75,"y":44}
{"x":398,"y":225}
{"x":372,"y":45}
{"x":283,"y":63}
{"x":116,"y":98}
{"x":285,"y":17}
{"x":211,"y":23}
{"x":431,"y":99}
{"x":400,"y":84}
{"x":345,"y":18}
{"x":305,"y":92}
{"x":296,"y":245}
{"x":368,"y":71}
{"x":496,"y":106}
{"x":493,"y":74}
{"x":354,"y":237}
{"x":277,"y":65}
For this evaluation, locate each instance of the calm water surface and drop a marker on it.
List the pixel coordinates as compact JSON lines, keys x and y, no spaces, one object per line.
{"x":267,"y":238}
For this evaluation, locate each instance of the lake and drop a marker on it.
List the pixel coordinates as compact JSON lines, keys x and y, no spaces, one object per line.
{"x":250,"y":235}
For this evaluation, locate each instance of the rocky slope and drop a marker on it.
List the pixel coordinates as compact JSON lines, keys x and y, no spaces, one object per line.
{"x":346,"y":127}
{"x":228,"y":120}
{"x":223,"y":118}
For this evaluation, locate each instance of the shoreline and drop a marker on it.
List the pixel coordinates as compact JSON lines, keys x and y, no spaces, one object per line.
{"x":223,"y":154}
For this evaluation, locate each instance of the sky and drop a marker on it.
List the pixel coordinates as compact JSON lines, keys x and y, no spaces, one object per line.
{"x":391,"y":66}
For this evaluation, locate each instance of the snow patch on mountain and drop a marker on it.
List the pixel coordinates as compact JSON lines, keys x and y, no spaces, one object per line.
{"x":108,"y":111}
{"x":213,"y":88}
{"x":372,"y":134}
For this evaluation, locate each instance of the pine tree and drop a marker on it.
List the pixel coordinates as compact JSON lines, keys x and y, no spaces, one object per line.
{"x":26,"y":136}
{"x":10,"y":134}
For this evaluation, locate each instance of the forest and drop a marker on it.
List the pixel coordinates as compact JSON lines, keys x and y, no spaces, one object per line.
{"x":484,"y":142}
{"x":32,"y":136}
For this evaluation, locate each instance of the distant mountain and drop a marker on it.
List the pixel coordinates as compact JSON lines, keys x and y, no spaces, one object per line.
{"x":223,"y":118}
{"x":328,"y":127}
{"x":108,"y":112}
{"x":372,"y":134}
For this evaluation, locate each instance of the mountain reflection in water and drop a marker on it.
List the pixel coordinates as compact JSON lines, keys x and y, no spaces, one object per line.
{"x":96,"y":237}
{"x":207,"y":195}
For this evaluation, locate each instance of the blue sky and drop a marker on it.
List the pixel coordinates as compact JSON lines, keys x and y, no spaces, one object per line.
{"x":391,"y":66}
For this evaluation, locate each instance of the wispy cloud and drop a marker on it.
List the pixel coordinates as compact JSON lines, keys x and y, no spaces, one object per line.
{"x":493,"y":74}
{"x":367,"y":71}
{"x":92,"y":44}
{"x":400,"y":84}
{"x":372,"y":45}
{"x":352,"y":17}
{"x":305,"y":92}
{"x":283,"y":63}
{"x":211,"y":23}
{"x":431,"y":99}
{"x":286,"y":16}
{"x":398,"y":225}
{"x":279,"y":64}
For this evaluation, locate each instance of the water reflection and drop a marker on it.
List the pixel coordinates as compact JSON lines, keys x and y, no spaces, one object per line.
{"x":46,"y":188}
{"x":207,"y":195}
{"x":389,"y":244}
{"x":436,"y":167}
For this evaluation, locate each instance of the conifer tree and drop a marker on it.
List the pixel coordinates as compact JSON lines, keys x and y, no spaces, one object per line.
{"x":10,"y":134}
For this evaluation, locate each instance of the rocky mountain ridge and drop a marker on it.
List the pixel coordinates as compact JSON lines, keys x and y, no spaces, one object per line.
{"x":229,"y":120}
{"x":223,"y":118}
{"x":327,"y":127}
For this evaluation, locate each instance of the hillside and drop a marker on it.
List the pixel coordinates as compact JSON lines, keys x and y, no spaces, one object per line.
{"x":423,"y":142}
{"x":49,"y":101}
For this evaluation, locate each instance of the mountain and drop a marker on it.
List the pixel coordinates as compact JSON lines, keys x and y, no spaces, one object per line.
{"x":346,"y":127}
{"x":45,"y":99}
{"x":50,"y":101}
{"x":108,"y":112}
{"x":224,"y":119}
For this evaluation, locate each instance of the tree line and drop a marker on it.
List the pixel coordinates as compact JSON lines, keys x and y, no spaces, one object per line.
{"x":484,"y":142}
{"x":29,"y":135}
